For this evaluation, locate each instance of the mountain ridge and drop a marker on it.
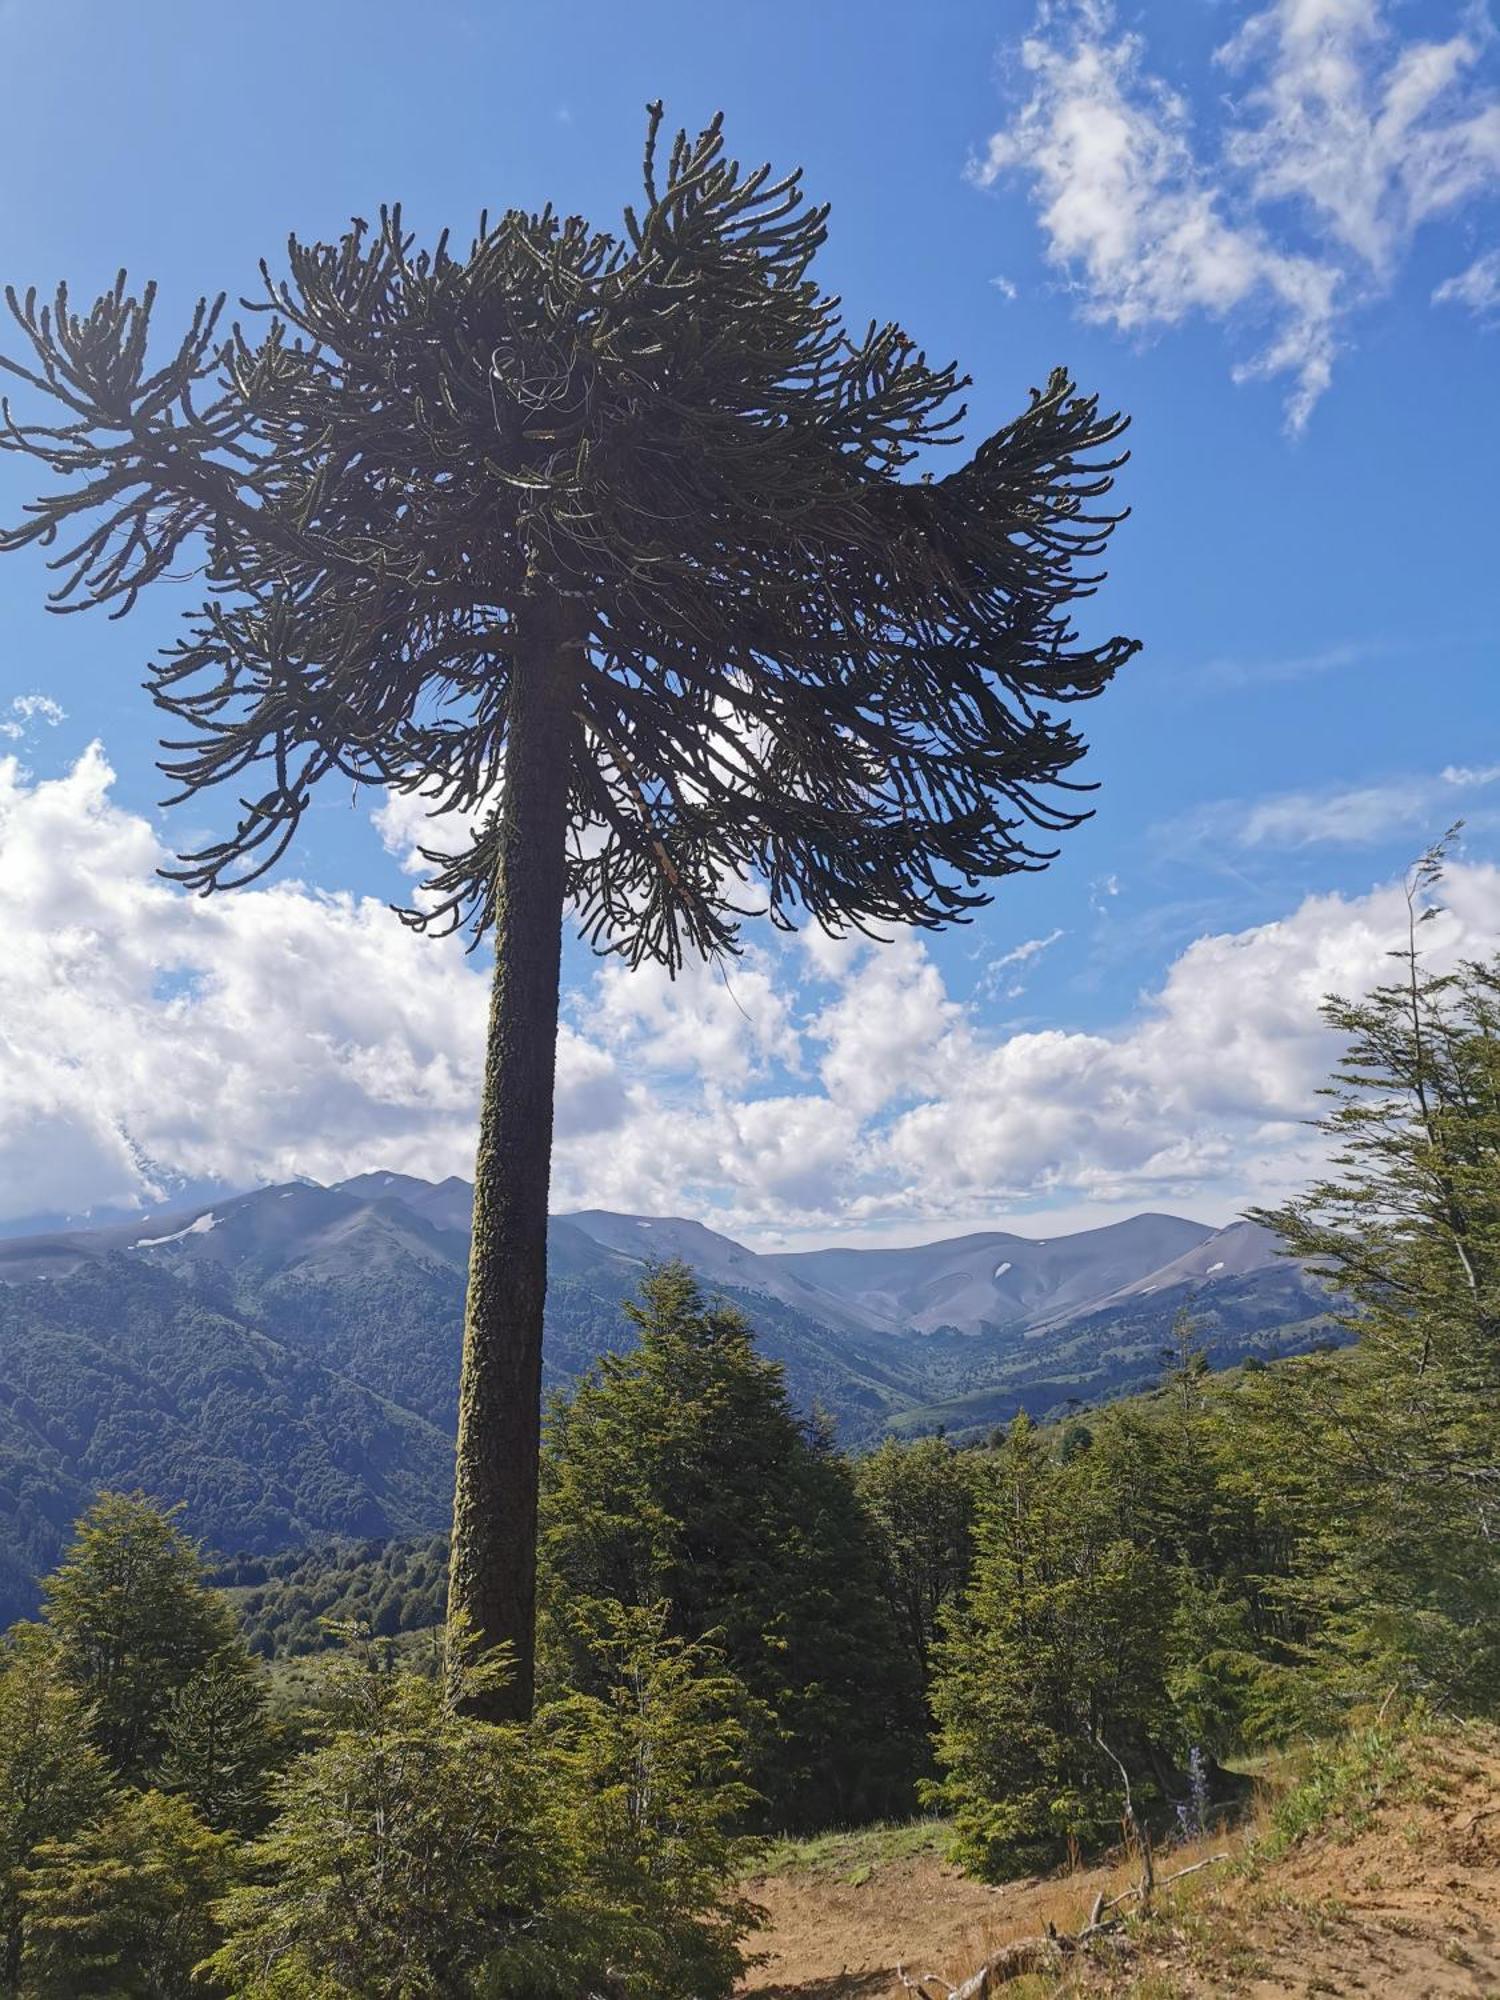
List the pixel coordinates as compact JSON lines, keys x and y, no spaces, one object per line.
{"x":982,"y":1281}
{"x":284,"y":1363}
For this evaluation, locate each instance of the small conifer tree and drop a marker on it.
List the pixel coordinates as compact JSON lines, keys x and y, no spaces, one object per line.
{"x":219,"y":1742}
{"x":678,"y":1472}
{"x":1385,"y":1457}
{"x":135,"y":1620}
{"x":52,"y":1779}
{"x":1053,"y":1670}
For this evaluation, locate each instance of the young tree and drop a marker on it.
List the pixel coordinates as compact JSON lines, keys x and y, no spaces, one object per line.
{"x":1385,"y":1457}
{"x":51,"y":1777}
{"x":411,"y":1859}
{"x":135,"y":1621}
{"x":1187,"y":1363}
{"x":219,"y":1741}
{"x":124,"y":1909}
{"x":1052,"y":1673}
{"x":649,"y":1790}
{"x":679,"y":1473}
{"x":626,"y":520}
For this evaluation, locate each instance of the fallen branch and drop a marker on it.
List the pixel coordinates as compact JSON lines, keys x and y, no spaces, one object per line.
{"x":1143,"y":1890}
{"x":1042,"y":1954}
{"x":920,"y":1986}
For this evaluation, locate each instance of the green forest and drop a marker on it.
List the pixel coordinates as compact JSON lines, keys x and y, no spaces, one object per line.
{"x":744,"y":1630}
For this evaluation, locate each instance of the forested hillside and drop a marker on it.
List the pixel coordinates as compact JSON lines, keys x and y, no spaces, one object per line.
{"x":129,"y":1376}
{"x":286,"y":1364}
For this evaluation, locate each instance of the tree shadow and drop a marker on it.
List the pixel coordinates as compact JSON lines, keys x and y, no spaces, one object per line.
{"x":840,"y":1986}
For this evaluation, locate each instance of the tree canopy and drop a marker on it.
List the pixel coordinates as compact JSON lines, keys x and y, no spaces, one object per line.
{"x":678,"y":1474}
{"x":799,"y":663}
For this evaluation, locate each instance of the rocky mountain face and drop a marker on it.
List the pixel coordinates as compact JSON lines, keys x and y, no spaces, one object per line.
{"x":285,"y":1362}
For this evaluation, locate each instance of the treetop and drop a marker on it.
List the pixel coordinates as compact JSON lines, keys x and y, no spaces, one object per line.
{"x":651,"y":465}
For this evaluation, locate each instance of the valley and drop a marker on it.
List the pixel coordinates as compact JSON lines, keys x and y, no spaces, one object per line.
{"x":284,"y":1364}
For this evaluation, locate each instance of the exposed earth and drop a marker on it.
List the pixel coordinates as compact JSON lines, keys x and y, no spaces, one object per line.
{"x":1396,"y":1896}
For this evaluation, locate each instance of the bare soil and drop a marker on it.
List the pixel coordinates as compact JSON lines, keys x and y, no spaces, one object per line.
{"x":1398,"y":1900}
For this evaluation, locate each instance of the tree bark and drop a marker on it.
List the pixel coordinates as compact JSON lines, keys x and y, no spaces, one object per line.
{"x":492,"y":1573}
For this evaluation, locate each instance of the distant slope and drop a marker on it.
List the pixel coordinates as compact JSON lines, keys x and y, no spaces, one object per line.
{"x":125,"y":1376}
{"x":719,"y":1260}
{"x":285,"y":1362}
{"x":990,"y":1282}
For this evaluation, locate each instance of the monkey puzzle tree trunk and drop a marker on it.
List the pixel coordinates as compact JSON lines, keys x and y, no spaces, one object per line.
{"x":492,"y":1577}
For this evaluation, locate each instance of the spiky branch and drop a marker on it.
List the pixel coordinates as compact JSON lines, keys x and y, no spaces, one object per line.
{"x":805,"y":668}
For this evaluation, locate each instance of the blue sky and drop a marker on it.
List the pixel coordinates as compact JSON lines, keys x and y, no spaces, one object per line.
{"x":1269,"y":233}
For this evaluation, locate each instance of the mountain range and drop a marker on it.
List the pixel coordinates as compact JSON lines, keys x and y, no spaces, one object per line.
{"x":285,"y":1362}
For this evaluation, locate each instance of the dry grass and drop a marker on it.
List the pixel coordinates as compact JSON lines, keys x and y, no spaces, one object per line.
{"x":1373,"y":1871}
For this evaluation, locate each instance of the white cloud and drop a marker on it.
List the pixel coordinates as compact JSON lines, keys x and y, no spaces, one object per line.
{"x":257,"y":1035}
{"x":408,"y":822}
{"x":1198,"y":1100}
{"x":722,"y":1022}
{"x":26,"y":709}
{"x":881,"y":1035}
{"x":1478,"y":287}
{"x":1028,"y":949}
{"x":1356,"y":816}
{"x":1371,"y":135}
{"x":280,"y":1030}
{"x":1343,"y":140}
{"x":1015,"y":961}
{"x":1348,"y":819}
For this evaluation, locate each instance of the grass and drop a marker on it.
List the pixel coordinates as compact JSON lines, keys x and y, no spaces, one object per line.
{"x":298,"y":1680}
{"x":1341,"y":1784}
{"x":853,"y":1855}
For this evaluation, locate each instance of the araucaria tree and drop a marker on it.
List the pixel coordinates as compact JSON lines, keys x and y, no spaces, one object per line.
{"x":611,"y":545}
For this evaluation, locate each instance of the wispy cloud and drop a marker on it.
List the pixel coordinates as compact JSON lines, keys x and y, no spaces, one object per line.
{"x":1337,"y":141}
{"x":1353,"y":816}
{"x":1478,"y":287}
{"x":1232,"y":672}
{"x":1014,"y":961}
{"x":25,"y":711}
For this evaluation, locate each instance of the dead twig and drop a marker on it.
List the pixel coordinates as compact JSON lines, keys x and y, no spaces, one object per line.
{"x":1042,"y":1954}
{"x":1143,"y":1889}
{"x":920,"y":1986}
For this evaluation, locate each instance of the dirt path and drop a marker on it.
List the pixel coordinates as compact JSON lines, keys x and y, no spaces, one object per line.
{"x":833,"y":1939}
{"x":1401,"y":1902}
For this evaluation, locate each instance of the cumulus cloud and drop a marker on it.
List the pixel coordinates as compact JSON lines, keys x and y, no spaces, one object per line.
{"x":1337,"y":141}
{"x":1204,"y":1091}
{"x":411,"y":826}
{"x":244,"y":1037}
{"x":144,"y":1033}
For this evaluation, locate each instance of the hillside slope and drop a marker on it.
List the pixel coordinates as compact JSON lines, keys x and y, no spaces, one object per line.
{"x":1391,"y":1887}
{"x":125,"y":1376}
{"x":285,"y":1362}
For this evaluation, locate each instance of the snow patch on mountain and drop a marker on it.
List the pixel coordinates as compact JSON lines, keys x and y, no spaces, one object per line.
{"x":200,"y":1227}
